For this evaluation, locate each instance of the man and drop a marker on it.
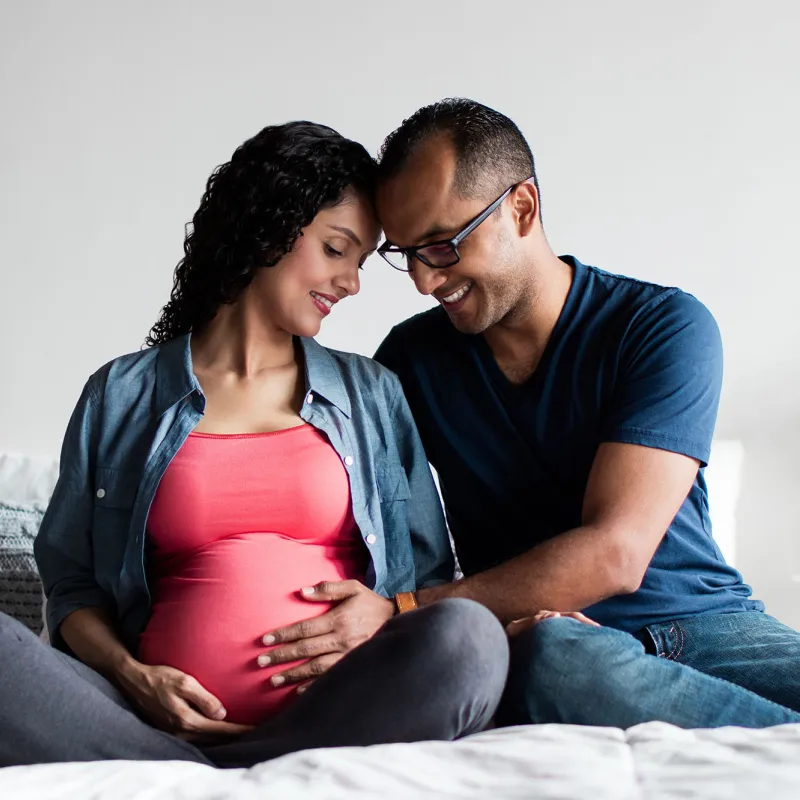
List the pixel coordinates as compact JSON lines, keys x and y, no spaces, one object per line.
{"x":568,"y":413}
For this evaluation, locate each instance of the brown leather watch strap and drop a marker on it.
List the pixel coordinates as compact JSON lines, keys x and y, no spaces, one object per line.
{"x":405,"y":601}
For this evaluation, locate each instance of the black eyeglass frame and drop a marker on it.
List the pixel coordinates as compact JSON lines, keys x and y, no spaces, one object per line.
{"x":412,"y":253}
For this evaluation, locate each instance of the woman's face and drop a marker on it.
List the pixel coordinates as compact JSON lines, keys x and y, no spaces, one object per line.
{"x":322,"y":268}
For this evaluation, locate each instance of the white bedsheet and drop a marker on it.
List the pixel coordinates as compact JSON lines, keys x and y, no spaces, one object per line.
{"x":544,"y":762}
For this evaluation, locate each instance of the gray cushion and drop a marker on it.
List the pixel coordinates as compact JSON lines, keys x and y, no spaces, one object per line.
{"x":20,"y":587}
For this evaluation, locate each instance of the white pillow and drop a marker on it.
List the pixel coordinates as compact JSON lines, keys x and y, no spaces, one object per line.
{"x":27,"y":480}
{"x":724,"y":479}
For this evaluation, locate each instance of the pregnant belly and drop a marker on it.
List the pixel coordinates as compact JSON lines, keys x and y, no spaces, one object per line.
{"x":209,"y":616}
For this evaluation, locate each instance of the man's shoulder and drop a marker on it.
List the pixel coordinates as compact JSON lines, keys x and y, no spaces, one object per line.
{"x":670,"y":312}
{"x":626,"y":289}
{"x":644,"y":304}
{"x":420,"y":326}
{"x":418,"y":336}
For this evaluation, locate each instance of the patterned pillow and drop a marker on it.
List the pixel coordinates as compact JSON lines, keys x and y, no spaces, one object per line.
{"x":20,"y":587}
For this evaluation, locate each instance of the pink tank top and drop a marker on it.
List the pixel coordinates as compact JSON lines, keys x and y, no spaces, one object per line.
{"x":239,"y":524}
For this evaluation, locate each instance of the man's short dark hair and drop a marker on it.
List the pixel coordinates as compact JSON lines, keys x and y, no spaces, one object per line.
{"x":491,"y":152}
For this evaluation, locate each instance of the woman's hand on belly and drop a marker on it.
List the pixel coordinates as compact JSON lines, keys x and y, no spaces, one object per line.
{"x":324,"y":640}
{"x":175,"y":702}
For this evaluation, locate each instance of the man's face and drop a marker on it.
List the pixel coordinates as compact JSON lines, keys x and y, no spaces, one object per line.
{"x":420,"y":205}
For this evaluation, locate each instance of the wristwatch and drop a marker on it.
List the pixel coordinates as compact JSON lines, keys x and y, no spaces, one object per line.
{"x":405,"y":601}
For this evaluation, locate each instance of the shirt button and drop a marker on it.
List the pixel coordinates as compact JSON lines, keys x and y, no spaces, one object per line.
{"x":310,"y":398}
{"x":372,"y":538}
{"x":101,"y":493}
{"x":348,"y":460}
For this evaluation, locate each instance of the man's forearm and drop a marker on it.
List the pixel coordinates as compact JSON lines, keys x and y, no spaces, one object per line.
{"x":567,"y":573}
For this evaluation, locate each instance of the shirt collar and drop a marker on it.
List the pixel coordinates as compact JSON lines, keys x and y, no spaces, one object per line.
{"x":174,"y":373}
{"x":324,"y":375}
{"x":175,"y":377}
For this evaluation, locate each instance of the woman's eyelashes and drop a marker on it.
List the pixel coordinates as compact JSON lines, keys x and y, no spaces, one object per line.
{"x":332,"y":252}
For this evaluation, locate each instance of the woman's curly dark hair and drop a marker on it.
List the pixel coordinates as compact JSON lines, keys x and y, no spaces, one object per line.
{"x":252,"y":213}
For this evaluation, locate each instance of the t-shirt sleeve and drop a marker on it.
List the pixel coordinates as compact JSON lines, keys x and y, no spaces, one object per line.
{"x":669,"y":379}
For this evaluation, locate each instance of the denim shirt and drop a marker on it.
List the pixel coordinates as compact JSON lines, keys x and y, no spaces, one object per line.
{"x":131,"y":420}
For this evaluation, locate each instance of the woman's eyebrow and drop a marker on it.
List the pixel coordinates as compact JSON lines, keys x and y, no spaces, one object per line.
{"x":347,"y":232}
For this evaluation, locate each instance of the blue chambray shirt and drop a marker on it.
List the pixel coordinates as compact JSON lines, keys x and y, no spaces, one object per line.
{"x":131,"y":420}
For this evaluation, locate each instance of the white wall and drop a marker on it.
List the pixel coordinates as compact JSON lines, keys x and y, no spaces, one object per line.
{"x":665,"y":135}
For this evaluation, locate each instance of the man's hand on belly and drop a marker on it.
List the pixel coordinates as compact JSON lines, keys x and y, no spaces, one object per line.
{"x":358,"y":614}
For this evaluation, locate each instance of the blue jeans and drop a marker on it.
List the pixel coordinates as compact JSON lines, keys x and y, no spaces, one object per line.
{"x":702,"y":672}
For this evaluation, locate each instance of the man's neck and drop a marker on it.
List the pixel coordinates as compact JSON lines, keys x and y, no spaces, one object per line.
{"x":519,"y":340}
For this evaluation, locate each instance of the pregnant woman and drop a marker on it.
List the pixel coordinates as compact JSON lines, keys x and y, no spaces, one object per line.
{"x":232,"y":479}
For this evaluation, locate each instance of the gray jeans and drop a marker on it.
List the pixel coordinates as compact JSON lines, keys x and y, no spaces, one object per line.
{"x":434,"y":673}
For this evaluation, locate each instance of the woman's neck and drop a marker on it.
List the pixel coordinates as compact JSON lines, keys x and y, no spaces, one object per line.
{"x":239,"y":340}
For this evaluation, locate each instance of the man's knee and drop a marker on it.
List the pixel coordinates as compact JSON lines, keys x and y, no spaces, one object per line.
{"x":555,"y":665}
{"x":566,"y":643}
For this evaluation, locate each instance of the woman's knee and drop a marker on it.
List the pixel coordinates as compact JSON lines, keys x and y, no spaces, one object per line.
{"x":464,"y":637}
{"x":10,"y":628}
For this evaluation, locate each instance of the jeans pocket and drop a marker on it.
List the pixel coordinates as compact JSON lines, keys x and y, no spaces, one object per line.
{"x":669,"y":640}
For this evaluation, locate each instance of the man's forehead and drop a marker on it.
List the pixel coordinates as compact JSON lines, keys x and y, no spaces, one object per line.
{"x":420,"y":195}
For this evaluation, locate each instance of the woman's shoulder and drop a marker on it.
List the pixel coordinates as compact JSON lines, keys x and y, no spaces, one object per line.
{"x":129,"y":375}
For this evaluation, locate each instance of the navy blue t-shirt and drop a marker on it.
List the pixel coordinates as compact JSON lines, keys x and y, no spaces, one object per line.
{"x":627,"y":361}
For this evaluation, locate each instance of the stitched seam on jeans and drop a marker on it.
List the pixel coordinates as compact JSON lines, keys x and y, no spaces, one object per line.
{"x":683,"y":639}
{"x":672,"y":652}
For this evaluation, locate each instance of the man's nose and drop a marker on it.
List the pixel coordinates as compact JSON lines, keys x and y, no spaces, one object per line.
{"x":427,"y":279}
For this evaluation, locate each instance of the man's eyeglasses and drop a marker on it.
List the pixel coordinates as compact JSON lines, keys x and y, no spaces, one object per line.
{"x":443,"y":253}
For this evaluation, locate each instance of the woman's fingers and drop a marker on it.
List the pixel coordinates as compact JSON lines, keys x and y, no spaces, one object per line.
{"x":194,"y":726}
{"x":308,"y":628}
{"x":296,"y":651}
{"x":309,"y":670}
{"x":190,"y":690}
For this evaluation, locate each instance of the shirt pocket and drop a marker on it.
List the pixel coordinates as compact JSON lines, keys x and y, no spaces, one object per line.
{"x":115,"y":488}
{"x":114,"y":495}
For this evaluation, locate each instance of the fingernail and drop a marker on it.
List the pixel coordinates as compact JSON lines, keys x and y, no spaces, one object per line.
{"x":301,"y":689}
{"x":268,"y":639}
{"x":263,"y":661}
{"x":277,"y":680}
{"x":307,"y":590}
{"x":221,"y":712}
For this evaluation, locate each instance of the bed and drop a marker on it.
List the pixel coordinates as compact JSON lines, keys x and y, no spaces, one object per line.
{"x":548,"y":761}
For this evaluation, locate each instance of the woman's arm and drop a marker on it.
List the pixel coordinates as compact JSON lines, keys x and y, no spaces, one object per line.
{"x":166,"y":697}
{"x":80,"y":612}
{"x":63,"y":546}
{"x":89,"y":633}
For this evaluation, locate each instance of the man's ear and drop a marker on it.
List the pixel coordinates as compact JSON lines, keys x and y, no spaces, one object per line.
{"x":525,"y":207}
